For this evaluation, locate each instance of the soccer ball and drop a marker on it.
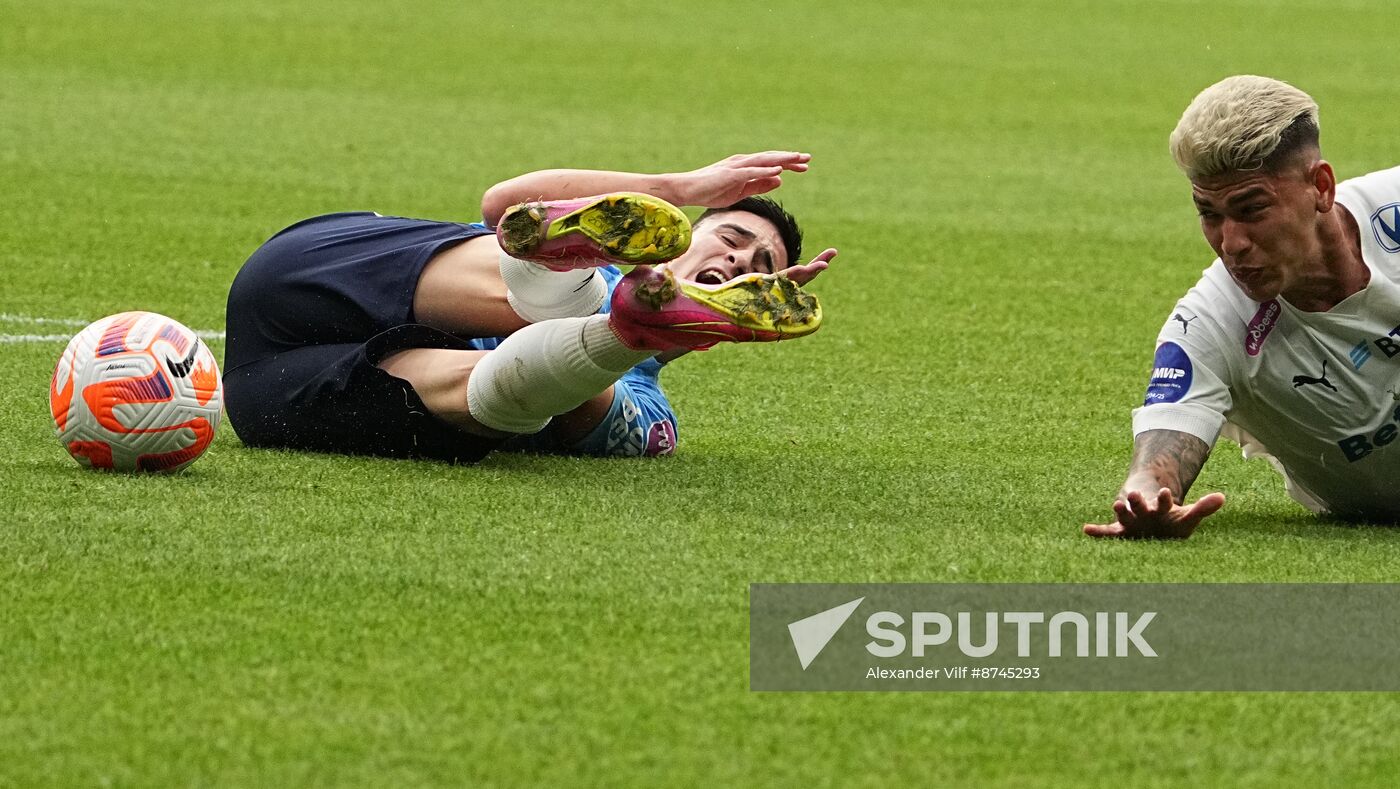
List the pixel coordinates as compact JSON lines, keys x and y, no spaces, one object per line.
{"x":136,"y":392}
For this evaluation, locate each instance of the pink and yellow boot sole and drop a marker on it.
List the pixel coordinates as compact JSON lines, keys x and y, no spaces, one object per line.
{"x":653,"y":310}
{"x":624,"y":228}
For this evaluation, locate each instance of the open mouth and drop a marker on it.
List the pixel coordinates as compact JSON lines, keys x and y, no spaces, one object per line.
{"x":710,"y":276}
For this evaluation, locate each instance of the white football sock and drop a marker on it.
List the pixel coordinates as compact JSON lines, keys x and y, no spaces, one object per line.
{"x":537,"y":293}
{"x":545,"y":369}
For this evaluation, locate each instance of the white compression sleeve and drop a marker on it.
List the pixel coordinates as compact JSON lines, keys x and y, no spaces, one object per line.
{"x":537,"y":293}
{"x":544,"y":369}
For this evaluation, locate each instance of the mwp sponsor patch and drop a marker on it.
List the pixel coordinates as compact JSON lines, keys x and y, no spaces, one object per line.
{"x":1171,"y":375}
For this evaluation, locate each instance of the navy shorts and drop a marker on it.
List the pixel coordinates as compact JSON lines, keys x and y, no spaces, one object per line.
{"x":310,"y":316}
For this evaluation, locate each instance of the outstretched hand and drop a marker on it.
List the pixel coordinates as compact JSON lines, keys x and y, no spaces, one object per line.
{"x":1137,"y":517}
{"x":808,"y":272}
{"x":742,"y":175}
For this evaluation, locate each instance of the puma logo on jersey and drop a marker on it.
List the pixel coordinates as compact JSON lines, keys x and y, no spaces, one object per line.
{"x":1305,"y":380}
{"x":1185,"y":322}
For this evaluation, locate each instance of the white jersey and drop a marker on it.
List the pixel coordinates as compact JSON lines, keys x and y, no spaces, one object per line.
{"x":1317,"y":393}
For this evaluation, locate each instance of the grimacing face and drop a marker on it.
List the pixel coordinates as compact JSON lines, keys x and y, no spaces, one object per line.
{"x":730,"y":244}
{"x":1264,"y":226}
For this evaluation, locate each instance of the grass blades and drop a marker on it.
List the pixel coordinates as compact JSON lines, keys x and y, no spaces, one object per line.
{"x":1012,"y":235}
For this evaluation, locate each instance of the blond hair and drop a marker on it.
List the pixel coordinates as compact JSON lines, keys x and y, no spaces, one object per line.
{"x":1243,"y":123}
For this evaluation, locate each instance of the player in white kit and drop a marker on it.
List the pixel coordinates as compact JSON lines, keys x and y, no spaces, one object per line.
{"x":1290,"y":342}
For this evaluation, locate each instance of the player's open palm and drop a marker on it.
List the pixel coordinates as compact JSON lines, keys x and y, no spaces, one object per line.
{"x":1138,"y":517}
{"x":742,"y":175}
{"x":809,"y":271}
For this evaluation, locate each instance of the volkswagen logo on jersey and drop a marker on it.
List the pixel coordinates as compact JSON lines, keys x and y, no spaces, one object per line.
{"x":1385,"y":223}
{"x":1171,"y":375}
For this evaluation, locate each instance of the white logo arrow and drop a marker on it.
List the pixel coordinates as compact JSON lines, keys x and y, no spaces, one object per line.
{"x":811,"y":635}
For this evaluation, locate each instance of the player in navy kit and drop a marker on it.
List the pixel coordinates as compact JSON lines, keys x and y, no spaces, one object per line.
{"x":367,"y":334}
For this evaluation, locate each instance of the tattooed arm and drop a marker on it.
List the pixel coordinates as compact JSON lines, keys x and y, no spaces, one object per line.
{"x":1151,"y":503}
{"x":1165,"y":459}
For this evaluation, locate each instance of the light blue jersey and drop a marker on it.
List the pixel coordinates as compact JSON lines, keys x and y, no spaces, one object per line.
{"x":640,"y":422}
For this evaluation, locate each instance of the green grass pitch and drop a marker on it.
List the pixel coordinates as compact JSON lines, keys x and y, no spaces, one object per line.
{"x":1012,"y":232}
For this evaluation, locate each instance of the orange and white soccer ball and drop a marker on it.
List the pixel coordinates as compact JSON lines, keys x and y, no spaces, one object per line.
{"x":136,"y":392}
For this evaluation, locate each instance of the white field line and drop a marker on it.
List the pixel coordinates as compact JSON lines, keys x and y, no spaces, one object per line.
{"x":10,"y":317}
{"x":37,"y":321}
